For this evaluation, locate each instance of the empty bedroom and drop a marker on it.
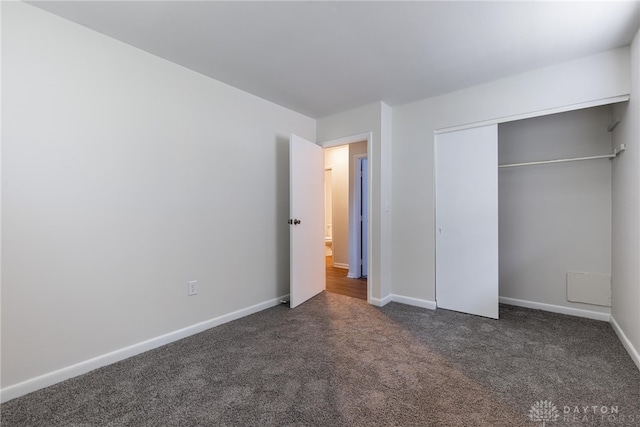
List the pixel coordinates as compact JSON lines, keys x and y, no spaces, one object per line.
{"x":168,"y":255}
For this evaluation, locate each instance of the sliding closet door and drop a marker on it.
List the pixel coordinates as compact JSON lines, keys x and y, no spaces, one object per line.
{"x":466,"y":164}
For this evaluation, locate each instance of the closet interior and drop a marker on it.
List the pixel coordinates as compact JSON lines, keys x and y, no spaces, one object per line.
{"x":532,"y":227}
{"x":555,"y":217}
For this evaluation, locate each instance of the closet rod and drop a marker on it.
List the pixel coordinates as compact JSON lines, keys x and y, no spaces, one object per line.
{"x":544,"y":162}
{"x":575,"y":159}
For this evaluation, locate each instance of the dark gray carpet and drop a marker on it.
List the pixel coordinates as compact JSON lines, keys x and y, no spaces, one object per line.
{"x":337,"y":361}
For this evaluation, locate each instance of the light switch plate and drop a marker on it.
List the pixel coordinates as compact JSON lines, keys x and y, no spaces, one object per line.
{"x":192,"y":288}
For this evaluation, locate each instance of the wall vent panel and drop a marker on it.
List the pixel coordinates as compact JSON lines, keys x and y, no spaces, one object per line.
{"x":589,"y":288}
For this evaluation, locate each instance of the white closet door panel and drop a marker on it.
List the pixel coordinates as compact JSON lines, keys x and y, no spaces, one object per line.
{"x":467,"y":221}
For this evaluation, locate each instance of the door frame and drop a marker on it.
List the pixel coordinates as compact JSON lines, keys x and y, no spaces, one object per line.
{"x":368,"y":136}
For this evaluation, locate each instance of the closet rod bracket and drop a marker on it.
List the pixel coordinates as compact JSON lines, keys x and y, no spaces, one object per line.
{"x":619,"y":149}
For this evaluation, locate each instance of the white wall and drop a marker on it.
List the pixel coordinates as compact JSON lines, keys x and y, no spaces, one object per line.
{"x":123,"y":177}
{"x":554,"y":218}
{"x":386,"y":201}
{"x":374,"y":118}
{"x":625,"y":308}
{"x":337,"y":158}
{"x":591,"y":78}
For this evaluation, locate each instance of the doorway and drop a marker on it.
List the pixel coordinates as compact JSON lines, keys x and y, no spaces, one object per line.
{"x":346,"y":219}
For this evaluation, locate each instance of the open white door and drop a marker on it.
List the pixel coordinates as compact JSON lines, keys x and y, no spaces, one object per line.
{"x":306,"y":190}
{"x":467,"y":220}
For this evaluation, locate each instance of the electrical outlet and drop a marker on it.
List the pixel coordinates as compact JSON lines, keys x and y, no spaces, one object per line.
{"x":192,"y":287}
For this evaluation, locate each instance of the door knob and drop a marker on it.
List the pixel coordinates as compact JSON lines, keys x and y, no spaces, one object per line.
{"x":296,"y":221}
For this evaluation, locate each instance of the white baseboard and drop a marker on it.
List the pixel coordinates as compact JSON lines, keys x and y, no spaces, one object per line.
{"x":51,"y":378}
{"x":633,"y":352}
{"x":341,"y":265}
{"x":556,"y":309}
{"x":431,"y":305}
{"x":380,"y":302}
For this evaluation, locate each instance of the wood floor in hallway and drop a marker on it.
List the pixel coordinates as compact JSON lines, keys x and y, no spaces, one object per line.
{"x":339,"y":283}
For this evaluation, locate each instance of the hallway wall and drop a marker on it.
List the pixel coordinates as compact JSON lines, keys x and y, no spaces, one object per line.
{"x":337,"y":159}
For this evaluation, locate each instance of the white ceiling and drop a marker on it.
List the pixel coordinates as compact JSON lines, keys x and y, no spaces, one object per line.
{"x":320,"y":58}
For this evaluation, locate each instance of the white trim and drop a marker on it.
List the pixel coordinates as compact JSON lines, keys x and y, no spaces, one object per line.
{"x":51,"y":378}
{"x":346,"y":140}
{"x":635,"y":356}
{"x":431,"y":305}
{"x":556,"y":308}
{"x":539,"y":113}
{"x":341,"y":265}
{"x":416,"y":302}
{"x":380,"y":302}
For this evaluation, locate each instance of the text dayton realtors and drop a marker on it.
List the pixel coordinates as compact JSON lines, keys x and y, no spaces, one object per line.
{"x":591,"y":413}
